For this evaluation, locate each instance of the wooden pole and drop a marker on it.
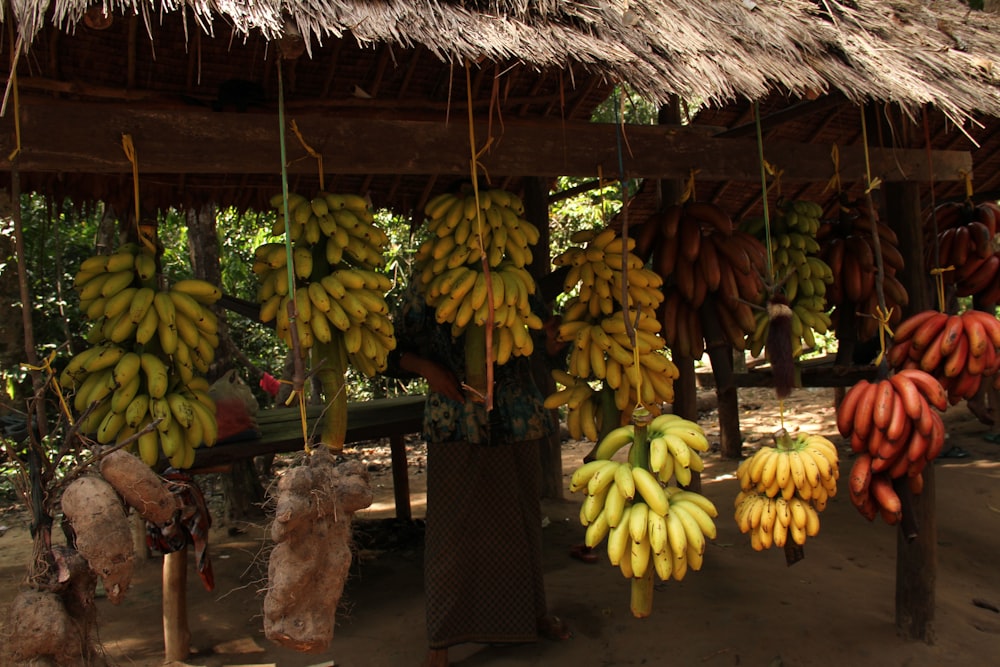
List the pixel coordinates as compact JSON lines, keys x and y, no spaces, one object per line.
{"x":720,"y":352}
{"x":176,"y":633}
{"x":916,"y":559}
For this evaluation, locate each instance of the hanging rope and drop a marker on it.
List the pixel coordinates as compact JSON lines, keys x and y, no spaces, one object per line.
{"x":689,"y":191}
{"x":312,"y":153}
{"x":834,"y":182}
{"x":474,"y":173}
{"x":298,"y":373}
{"x":882,"y":312}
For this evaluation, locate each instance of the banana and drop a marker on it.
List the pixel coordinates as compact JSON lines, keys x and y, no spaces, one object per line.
{"x":676,"y":538}
{"x":649,"y":488}
{"x":597,"y":530}
{"x":638,"y":521}
{"x":619,"y":538}
{"x":157,"y":377}
{"x":614,"y":440}
{"x":697,"y":513}
{"x":137,"y":410}
{"x":603,"y":478}
{"x":201,"y":291}
{"x":580,"y":477}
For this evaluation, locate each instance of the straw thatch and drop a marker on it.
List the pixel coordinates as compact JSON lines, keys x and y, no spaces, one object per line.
{"x":911,"y":52}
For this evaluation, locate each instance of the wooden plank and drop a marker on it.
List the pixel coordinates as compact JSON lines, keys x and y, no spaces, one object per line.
{"x":281,"y":431}
{"x":87,"y":138}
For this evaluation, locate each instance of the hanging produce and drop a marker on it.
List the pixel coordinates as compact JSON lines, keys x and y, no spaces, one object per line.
{"x":698,"y":253}
{"x":966,"y":244}
{"x":611,"y":286}
{"x":331,"y":278}
{"x":848,"y":247}
{"x":784,"y":488}
{"x":799,"y":276}
{"x":894,"y":433}
{"x":150,"y":350}
{"x":958,"y":350}
{"x":649,"y":525}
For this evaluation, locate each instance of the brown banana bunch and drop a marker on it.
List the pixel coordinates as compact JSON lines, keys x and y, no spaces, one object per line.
{"x":848,"y":247}
{"x":966,"y":240}
{"x":697,"y":252}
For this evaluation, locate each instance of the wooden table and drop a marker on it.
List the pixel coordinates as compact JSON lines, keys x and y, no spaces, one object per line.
{"x":281,"y":431}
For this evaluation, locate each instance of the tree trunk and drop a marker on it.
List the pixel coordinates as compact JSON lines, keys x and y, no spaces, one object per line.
{"x":11,"y":329}
{"x":536,"y":211}
{"x":242,"y":489}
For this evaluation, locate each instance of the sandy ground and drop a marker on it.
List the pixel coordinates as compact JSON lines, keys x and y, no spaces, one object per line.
{"x":835,"y":607}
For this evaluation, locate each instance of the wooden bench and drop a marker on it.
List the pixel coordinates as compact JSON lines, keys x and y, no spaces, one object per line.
{"x":281,"y":431}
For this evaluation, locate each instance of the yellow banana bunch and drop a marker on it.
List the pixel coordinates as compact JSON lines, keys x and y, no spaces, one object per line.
{"x":150,"y":350}
{"x":650,"y":527}
{"x":783,"y":489}
{"x":465,"y":228}
{"x":335,"y":286}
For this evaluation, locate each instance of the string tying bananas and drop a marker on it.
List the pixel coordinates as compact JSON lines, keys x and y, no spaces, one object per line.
{"x":696,"y":250}
{"x":339,"y":292}
{"x":967,"y":242}
{"x":649,"y":527}
{"x":452,"y":279}
{"x":798,"y":271}
{"x":894,"y":433}
{"x":149,"y":352}
{"x":958,"y":350}
{"x":784,"y":488}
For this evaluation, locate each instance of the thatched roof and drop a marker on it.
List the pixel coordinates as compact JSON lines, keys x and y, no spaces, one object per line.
{"x":906,"y":51}
{"x":543,"y":61}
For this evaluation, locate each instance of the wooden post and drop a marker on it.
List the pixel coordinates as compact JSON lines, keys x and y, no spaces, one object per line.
{"x":176,"y":633}
{"x":720,"y":351}
{"x":400,"y":476}
{"x":916,"y":559}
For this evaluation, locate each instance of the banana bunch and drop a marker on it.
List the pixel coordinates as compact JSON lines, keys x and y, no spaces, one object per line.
{"x":958,"y":350}
{"x":784,"y":488}
{"x":696,"y":250}
{"x":633,"y":366}
{"x":597,"y":268}
{"x":465,"y":228}
{"x":848,"y":247}
{"x":966,"y":240}
{"x":799,"y":272}
{"x":602,"y":350}
{"x":894,"y":433}
{"x":338,"y":292}
{"x":150,"y":351}
{"x":583,"y":418}
{"x":649,"y":526}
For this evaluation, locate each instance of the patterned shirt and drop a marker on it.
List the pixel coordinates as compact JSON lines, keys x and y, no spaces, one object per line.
{"x":518,"y":413}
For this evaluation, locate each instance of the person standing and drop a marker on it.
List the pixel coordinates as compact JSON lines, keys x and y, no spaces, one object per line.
{"x":483,"y":541}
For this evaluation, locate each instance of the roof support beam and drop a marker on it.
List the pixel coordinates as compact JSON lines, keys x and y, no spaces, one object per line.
{"x":77,"y":137}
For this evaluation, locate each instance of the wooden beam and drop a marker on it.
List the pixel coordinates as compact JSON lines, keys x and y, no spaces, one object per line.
{"x":86,"y":138}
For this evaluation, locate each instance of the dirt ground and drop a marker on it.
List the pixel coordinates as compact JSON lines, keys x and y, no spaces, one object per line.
{"x":748,"y":608}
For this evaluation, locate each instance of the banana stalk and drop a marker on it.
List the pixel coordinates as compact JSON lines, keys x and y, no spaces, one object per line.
{"x":475,"y":358}
{"x":331,"y":361}
{"x":641,"y":599}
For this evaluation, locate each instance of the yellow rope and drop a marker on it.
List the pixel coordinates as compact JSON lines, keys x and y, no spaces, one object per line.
{"x":938,"y":274}
{"x":474,"y":174}
{"x":129,"y":147}
{"x":882,"y":316}
{"x":834,"y":182}
{"x":47,"y":367}
{"x":777,"y":174}
{"x":309,"y":149}
{"x":17,"y":113}
{"x":967,"y":177}
{"x":689,"y":191}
